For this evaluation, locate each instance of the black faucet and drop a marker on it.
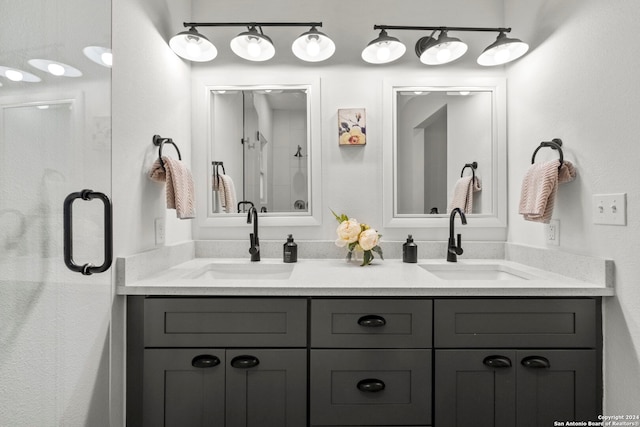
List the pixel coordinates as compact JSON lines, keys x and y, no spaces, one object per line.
{"x":454,"y":249}
{"x":254,"y":250}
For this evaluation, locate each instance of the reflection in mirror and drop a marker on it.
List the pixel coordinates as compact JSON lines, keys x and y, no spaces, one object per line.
{"x":437,"y":129}
{"x":259,"y":150}
{"x":438,"y":133}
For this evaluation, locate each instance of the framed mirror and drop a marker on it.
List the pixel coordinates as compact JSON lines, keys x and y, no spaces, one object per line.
{"x":446,"y":148}
{"x":262,"y":150}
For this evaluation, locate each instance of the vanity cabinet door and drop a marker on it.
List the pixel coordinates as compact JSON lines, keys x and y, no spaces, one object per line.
{"x":266,"y":387}
{"x":475,"y":388}
{"x":506,"y":388}
{"x":183,"y":387}
{"x":556,"y":385}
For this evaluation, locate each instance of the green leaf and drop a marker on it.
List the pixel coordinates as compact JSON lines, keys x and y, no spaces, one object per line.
{"x":378,"y":250}
{"x":336,"y":215}
{"x":349,"y":254}
{"x":367,"y":258}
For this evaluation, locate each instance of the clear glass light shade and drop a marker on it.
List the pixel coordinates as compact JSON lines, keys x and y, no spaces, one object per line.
{"x":313,"y":46}
{"x":100,"y":55}
{"x":16,"y":75}
{"x":193,"y":46}
{"x":503,"y":50}
{"x":441,"y":51}
{"x":383,"y":50}
{"x":253,"y":46}
{"x":55,"y":68}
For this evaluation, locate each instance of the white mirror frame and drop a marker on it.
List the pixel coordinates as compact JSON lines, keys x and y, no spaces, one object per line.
{"x":202,"y":128}
{"x":497,"y":86}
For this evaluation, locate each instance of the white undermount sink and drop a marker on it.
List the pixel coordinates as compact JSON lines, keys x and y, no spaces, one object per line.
{"x":475,"y":272}
{"x":243,"y":271}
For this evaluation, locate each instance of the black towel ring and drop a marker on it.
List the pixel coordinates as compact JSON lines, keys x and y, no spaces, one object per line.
{"x":159,"y":141}
{"x":556,"y":144}
{"x":473,"y":167}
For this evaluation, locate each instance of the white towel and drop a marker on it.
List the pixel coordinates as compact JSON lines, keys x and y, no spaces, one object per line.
{"x":462,"y":196}
{"x":178,"y":184}
{"x":227,"y":193}
{"x":539,"y":188}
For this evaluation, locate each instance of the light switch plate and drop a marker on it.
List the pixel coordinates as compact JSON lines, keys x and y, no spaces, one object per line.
{"x":610,"y":209}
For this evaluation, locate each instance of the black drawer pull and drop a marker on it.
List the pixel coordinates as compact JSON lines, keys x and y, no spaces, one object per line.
{"x":244,"y":362}
{"x":536,"y":362}
{"x":205,"y":361}
{"x":371,"y":385}
{"x":372,"y":321}
{"x":497,"y":361}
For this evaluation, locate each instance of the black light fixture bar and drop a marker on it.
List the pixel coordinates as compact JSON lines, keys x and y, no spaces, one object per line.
{"x":252,"y":24}
{"x":420,"y":28}
{"x":252,"y":44}
{"x":445,"y":48}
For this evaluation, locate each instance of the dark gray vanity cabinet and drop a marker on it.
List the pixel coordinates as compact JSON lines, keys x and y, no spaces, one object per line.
{"x":221,"y":361}
{"x":516,"y":362}
{"x":366,"y":362}
{"x":370,"y":362}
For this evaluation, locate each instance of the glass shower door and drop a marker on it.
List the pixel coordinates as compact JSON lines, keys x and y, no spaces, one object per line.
{"x":55,"y":139}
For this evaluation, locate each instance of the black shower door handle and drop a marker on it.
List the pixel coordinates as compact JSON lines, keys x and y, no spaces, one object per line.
{"x":88,"y":268}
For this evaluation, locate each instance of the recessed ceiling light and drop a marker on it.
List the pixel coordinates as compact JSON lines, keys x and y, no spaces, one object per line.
{"x":100,"y":55}
{"x":55,"y":68}
{"x":16,"y":75}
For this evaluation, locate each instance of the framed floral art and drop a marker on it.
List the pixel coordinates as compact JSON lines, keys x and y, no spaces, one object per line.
{"x":352,"y":126}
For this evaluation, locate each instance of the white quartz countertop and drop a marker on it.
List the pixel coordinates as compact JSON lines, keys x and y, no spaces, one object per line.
{"x":336,"y":277}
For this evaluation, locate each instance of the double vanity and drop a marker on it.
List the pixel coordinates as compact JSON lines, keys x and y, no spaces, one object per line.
{"x":324,"y":342}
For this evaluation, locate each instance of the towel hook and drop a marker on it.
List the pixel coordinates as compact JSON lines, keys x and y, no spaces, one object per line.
{"x":159,"y":141}
{"x":555,"y":143}
{"x":473,"y":166}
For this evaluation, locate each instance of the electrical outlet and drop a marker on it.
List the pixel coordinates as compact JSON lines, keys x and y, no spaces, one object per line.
{"x":160,"y":231}
{"x":553,"y":232}
{"x":610,"y":209}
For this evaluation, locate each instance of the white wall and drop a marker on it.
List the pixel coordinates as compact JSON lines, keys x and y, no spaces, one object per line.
{"x":578,"y":84}
{"x":150,"y":96}
{"x":351,"y":176}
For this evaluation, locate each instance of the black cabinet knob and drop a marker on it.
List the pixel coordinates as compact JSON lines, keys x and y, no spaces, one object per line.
{"x":536,"y":362}
{"x":497,"y":361}
{"x":372,"y":321}
{"x":245,"y":362}
{"x":371,"y":385}
{"x":205,"y":361}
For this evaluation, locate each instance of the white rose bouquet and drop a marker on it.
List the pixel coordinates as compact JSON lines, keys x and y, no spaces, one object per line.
{"x":357,"y":237}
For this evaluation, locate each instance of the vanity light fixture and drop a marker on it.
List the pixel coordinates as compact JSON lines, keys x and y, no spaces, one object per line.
{"x":313,"y":46}
{"x":252,"y":44}
{"x":383,"y":49}
{"x":445,"y":48}
{"x":442,"y":50}
{"x":55,"y":68}
{"x":193,"y":46}
{"x":503,"y":50}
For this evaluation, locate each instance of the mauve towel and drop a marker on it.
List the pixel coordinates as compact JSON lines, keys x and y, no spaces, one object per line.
{"x":463,"y":194}
{"x":539,"y":188}
{"x":178,"y":184}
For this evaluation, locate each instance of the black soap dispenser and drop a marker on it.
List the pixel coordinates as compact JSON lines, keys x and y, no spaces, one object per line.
{"x":290,"y":250}
{"x":409,"y":250}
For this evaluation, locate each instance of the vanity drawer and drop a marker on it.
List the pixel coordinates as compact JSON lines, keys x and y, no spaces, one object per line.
{"x":372,"y":323}
{"x":370,"y":387}
{"x":486,"y":323}
{"x":225,"y":322}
